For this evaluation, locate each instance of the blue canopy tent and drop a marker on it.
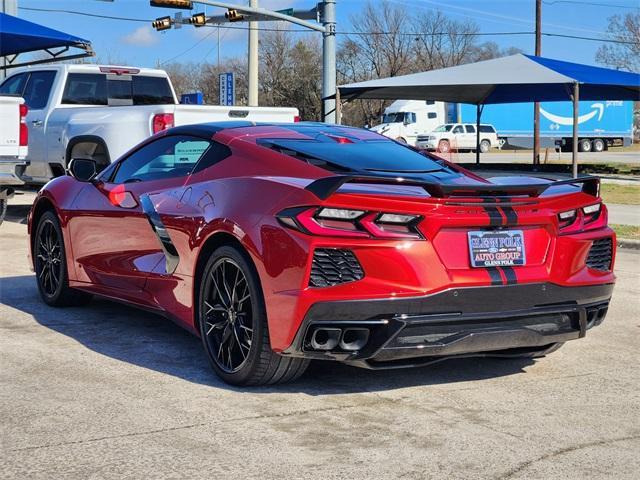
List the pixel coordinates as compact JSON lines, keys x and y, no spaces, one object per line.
{"x":19,"y":36}
{"x":512,"y":79}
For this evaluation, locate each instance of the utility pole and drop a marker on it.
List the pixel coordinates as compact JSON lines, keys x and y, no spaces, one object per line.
{"x":328,"y":18}
{"x":253,"y":59}
{"x":536,"y":105}
{"x":10,"y":7}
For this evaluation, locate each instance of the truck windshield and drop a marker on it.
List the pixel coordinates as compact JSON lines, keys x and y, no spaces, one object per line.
{"x":443,"y":128}
{"x":103,"y":89}
{"x":395,"y":117}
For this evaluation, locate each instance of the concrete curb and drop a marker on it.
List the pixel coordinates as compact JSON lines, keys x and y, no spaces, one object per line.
{"x":628,"y":243}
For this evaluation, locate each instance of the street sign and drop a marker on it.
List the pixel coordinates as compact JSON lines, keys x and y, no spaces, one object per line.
{"x":227,"y":89}
{"x":194,"y":98}
{"x":286,"y":11}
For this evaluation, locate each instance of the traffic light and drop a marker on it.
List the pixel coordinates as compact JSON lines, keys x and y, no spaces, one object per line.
{"x":162,"y":23}
{"x":198,"y":20}
{"x":233,"y":15}
{"x":185,"y":4}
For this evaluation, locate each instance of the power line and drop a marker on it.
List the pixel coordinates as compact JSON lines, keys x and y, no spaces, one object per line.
{"x":589,"y":3}
{"x":353,"y":33}
{"x":86,"y":14}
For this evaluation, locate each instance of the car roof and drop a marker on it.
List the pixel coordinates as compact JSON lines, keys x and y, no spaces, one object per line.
{"x":305,"y":128}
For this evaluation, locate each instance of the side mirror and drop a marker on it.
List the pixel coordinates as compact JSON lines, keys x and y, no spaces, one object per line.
{"x":83,"y":169}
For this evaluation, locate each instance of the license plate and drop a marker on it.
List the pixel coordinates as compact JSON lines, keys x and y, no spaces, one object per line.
{"x":496,"y":248}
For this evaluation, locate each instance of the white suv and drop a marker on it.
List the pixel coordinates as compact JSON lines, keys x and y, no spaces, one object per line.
{"x":458,"y":136}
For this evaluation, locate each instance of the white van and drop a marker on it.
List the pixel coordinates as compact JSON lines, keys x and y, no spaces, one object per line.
{"x":404,"y":120}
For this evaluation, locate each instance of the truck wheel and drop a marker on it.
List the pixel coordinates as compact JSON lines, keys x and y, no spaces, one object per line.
{"x":401,"y":140}
{"x":598,"y":145}
{"x":584,"y":145}
{"x":444,"y":146}
{"x":485,"y":146}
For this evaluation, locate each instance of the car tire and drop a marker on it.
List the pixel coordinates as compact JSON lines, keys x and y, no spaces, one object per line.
{"x":598,"y":145}
{"x":584,"y":145}
{"x":485,"y":146}
{"x":50,"y":265}
{"x":444,"y":146}
{"x":233,"y":323}
{"x":401,"y":140}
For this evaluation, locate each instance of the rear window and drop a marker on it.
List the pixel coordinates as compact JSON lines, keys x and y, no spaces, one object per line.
{"x":357,"y":155}
{"x":487,"y":129}
{"x":103,"y":89}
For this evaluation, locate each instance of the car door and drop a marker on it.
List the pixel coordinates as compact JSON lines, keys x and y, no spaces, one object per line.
{"x":36,"y":95}
{"x":114,"y":245}
{"x":457,"y":137}
{"x":470,"y":137}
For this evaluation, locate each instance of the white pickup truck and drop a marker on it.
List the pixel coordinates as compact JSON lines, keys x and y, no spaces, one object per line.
{"x":100,"y":112}
{"x":13,"y":147}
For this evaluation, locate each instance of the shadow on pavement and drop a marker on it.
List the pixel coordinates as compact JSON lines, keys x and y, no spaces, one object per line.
{"x":151,"y":341}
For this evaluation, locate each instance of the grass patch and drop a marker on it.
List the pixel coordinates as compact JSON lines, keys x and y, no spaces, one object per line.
{"x":622,"y":194}
{"x":626,"y":231}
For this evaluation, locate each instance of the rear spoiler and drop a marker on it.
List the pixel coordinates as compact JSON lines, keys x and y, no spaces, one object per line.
{"x":324,"y":187}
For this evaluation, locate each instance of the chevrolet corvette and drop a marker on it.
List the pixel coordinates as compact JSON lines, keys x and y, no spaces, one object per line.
{"x":277,"y":244}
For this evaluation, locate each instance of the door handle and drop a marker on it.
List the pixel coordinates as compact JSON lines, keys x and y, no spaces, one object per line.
{"x":36,"y":123}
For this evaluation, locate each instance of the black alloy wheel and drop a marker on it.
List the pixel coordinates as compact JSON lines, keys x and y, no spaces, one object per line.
{"x":50,"y":265}
{"x":227,"y":315}
{"x":48,"y":257}
{"x":233,"y":323}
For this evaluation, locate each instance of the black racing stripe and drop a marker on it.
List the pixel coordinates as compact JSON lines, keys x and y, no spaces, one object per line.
{"x":510,"y":275}
{"x":511,"y":216}
{"x":494,"y":273}
{"x":495,"y":217}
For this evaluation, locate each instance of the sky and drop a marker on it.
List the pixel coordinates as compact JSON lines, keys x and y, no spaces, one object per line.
{"x":136,"y":43}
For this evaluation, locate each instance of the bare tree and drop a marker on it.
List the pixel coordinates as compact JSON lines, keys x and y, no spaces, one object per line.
{"x":442,"y":42}
{"x":290,"y":72}
{"x":489,"y":50}
{"x":624,"y":56}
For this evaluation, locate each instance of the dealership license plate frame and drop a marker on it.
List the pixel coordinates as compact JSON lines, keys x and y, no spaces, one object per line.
{"x":494,"y":242}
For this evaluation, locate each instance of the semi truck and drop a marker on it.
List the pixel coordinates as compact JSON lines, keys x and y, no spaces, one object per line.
{"x":601,"y":124}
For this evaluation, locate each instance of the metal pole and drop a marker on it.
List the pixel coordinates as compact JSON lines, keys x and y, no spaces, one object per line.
{"x":329,"y":60}
{"x":10,"y":7}
{"x":478,"y":114}
{"x":218,"y":48}
{"x":338,"y":108}
{"x":576,"y":111}
{"x":253,"y":59}
{"x":536,"y":105}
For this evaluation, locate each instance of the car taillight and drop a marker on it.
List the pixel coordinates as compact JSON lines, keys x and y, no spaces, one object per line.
{"x":589,"y":217}
{"x":296,"y":119}
{"x":341,"y":222}
{"x":24,"y":131}
{"x":162,"y":121}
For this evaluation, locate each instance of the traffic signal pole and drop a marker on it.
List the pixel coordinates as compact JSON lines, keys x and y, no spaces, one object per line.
{"x":253,"y":59}
{"x":328,"y":17}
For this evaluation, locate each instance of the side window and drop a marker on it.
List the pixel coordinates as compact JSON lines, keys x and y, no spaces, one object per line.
{"x":38,"y":88}
{"x":168,"y":157}
{"x":410,"y":117}
{"x":458,"y":129}
{"x":470,"y":129}
{"x":85,"y":89}
{"x":432,"y":115}
{"x":14,"y":85}
{"x":430,"y":102}
{"x":214,"y":154}
{"x":152,"y":91}
{"x":487,"y":129}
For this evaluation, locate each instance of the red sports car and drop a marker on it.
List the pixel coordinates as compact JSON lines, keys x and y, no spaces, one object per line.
{"x":277,"y":244}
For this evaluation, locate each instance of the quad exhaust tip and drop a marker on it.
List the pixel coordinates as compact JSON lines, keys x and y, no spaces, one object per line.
{"x":325,"y":338}
{"x":349,"y":339}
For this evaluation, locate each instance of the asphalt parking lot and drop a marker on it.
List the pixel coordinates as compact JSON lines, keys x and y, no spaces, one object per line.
{"x":106,"y":391}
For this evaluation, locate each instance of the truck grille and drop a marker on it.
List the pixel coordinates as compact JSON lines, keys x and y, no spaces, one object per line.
{"x":332,"y":266}
{"x":600,"y":254}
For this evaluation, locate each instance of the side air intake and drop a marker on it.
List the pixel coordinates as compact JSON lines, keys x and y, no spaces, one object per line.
{"x":600,"y":255}
{"x":333,"y":266}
